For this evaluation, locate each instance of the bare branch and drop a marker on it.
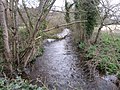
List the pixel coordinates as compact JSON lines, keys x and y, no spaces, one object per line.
{"x":62,"y":25}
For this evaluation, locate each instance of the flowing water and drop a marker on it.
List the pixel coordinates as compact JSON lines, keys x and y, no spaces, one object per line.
{"x":59,"y":69}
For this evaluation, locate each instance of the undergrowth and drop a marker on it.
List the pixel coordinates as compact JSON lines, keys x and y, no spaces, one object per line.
{"x":18,"y":84}
{"x":105,"y":55}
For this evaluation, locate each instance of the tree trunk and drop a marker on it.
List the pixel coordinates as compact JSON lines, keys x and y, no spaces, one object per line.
{"x":98,"y":33}
{"x":77,"y":17}
{"x":7,"y":51}
{"x":41,"y":5}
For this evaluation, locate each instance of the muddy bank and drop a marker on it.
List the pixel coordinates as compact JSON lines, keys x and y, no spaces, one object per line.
{"x":59,"y":68}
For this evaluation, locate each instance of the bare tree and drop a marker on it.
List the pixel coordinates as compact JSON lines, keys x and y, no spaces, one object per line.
{"x":47,"y":5}
{"x":107,"y":12}
{"x":11,"y":35}
{"x":3,"y":25}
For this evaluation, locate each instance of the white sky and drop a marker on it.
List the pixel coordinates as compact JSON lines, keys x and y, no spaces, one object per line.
{"x":114,"y":1}
{"x":60,"y":3}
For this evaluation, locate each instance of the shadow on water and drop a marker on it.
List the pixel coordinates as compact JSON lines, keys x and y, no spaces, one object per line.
{"x":58,"y":69}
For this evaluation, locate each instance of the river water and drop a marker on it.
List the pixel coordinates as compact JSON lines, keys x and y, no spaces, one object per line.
{"x":58,"y":68}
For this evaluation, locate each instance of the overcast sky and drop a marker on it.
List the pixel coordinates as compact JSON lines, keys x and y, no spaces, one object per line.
{"x":114,"y":1}
{"x":60,"y":3}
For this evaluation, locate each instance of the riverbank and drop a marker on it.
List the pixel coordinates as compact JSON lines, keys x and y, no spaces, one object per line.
{"x":60,"y":68}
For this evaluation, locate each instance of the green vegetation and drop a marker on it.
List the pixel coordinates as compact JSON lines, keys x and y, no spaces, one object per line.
{"x":106,"y":54}
{"x":18,"y":84}
{"x":22,"y":35}
{"x":90,"y":15}
{"x":81,"y":45}
{"x":85,"y":11}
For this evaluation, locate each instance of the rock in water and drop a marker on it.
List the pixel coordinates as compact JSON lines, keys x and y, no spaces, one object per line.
{"x":48,"y":41}
{"x":64,"y":33}
{"x":101,"y":84}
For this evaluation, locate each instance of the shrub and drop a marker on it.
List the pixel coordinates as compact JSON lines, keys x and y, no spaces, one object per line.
{"x":107,"y":54}
{"x":17,"y":84}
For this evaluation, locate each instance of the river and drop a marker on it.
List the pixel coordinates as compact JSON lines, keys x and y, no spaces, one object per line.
{"x":59,"y":68}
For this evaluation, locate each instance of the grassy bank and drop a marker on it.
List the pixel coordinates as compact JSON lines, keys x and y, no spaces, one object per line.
{"x":105,"y":55}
